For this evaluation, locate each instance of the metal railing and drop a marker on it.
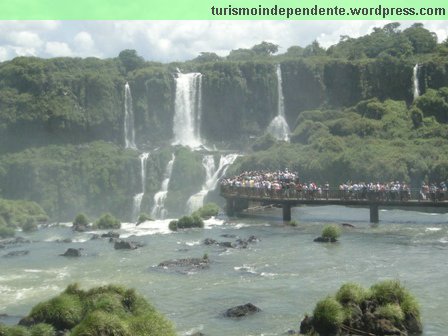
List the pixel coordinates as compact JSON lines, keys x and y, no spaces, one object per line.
{"x":334,"y":194}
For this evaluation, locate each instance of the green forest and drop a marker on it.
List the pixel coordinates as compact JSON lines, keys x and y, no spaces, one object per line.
{"x":350,"y":108}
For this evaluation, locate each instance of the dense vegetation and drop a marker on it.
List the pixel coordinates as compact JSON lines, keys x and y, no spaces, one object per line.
{"x":350,"y":108}
{"x":108,"y":311}
{"x":386,"y":308}
{"x":19,"y":214}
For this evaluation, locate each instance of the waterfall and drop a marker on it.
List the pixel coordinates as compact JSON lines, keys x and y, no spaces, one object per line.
{"x":188,"y":110}
{"x":278,"y":127}
{"x":129,"y":132}
{"x":415,"y":85}
{"x":158,"y":210}
{"x":139,"y":197}
{"x":212,"y":176}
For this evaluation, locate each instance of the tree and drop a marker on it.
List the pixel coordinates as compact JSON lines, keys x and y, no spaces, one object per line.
{"x":130,"y":59}
{"x":265,"y":48}
{"x":314,"y":49}
{"x":422,"y":40}
{"x":207,"y":57}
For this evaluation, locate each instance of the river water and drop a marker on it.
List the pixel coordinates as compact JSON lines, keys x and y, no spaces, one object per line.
{"x":284,"y":274}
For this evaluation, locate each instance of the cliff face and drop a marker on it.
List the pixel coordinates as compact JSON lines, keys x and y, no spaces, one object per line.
{"x":61,"y":101}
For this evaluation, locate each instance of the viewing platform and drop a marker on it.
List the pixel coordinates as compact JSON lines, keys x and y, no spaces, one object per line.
{"x":238,"y":198}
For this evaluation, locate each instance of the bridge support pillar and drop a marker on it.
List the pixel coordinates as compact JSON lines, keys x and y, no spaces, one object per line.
{"x":286,"y":212}
{"x":230,"y":207}
{"x":374,"y":214}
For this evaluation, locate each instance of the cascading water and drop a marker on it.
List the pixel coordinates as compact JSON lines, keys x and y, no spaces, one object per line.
{"x":188,"y":110}
{"x":129,"y":132}
{"x":158,"y":210}
{"x":139,"y":197}
{"x":212,"y":176}
{"x":415,"y":84}
{"x":278,"y":127}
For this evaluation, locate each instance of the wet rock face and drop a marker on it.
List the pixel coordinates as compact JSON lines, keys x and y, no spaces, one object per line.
{"x":125,"y":245}
{"x":242,"y":311}
{"x":13,"y":241}
{"x":110,"y":234}
{"x":185,"y":265}
{"x":325,"y":240}
{"x":16,"y":254}
{"x":239,"y":243}
{"x":72,"y":252}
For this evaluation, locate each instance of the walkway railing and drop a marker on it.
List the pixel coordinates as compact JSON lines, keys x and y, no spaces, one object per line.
{"x":334,"y":194}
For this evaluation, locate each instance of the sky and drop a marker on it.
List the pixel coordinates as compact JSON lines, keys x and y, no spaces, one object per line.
{"x":168,"y":41}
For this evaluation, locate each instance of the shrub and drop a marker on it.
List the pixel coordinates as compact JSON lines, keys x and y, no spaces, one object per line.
{"x":107,"y":222}
{"x":391,"y":311}
{"x":107,"y":311}
{"x":101,"y":323}
{"x":29,"y":225}
{"x":42,"y":329}
{"x":207,"y":211}
{"x":6,"y":231}
{"x":81,"y":220}
{"x":331,"y":232}
{"x":388,"y":291}
{"x":328,"y":315}
{"x":186,"y":222}
{"x":292,"y":223}
{"x":143,"y":218}
{"x":62,"y":312}
{"x":351,"y":292}
{"x":14,"y":331}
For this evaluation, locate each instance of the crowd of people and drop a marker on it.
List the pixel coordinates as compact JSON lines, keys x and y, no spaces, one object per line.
{"x":286,"y":184}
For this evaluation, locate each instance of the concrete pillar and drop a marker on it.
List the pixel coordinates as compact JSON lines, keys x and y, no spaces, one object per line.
{"x":374,"y":215}
{"x":230,"y":207}
{"x":286,"y":212}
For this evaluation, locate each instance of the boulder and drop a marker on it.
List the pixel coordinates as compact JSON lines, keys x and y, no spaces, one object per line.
{"x":110,"y":234}
{"x":72,"y":252}
{"x":66,"y":240}
{"x":325,"y":240}
{"x":242,"y":311}
{"x":124,"y":244}
{"x":185,"y":265}
{"x":348,"y":225}
{"x":210,"y":241}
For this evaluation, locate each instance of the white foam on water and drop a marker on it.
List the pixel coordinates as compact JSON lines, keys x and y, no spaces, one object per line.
{"x":443,"y":240}
{"x":432,"y":229}
{"x":145,"y":228}
{"x":213,"y":222}
{"x":246,"y":269}
{"x":193,"y":243}
{"x":194,"y":330}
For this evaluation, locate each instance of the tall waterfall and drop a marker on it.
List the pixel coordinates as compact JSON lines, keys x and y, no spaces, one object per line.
{"x":129,"y":131}
{"x":139,"y":197}
{"x":158,"y":210}
{"x":188,"y":110}
{"x":279,"y":127}
{"x":212,"y":176}
{"x":415,"y":84}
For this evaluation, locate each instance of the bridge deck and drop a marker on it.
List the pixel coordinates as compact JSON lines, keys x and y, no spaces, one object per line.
{"x":237,"y":199}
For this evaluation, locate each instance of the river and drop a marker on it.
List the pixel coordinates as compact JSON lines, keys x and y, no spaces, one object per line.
{"x":284,"y":274}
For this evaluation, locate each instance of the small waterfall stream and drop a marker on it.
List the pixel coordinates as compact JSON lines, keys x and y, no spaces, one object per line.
{"x":278,"y":127}
{"x":212,"y":177}
{"x":158,"y":210}
{"x":137,"y":203}
{"x":188,"y":110}
{"x":129,"y":131}
{"x":415,"y":83}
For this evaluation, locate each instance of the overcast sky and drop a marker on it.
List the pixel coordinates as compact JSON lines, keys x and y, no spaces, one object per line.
{"x":167,"y":41}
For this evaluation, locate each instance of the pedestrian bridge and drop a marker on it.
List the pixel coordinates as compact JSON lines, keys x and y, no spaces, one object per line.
{"x":239,"y":198}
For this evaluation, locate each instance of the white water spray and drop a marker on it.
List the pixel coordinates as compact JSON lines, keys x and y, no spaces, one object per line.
{"x":278,"y":127}
{"x":415,"y":84}
{"x":158,"y":210}
{"x":212,"y":176}
{"x":188,"y":110}
{"x":129,"y":131}
{"x":139,"y":197}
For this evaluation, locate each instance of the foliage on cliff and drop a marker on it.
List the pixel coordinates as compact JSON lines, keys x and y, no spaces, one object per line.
{"x":19,"y":214}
